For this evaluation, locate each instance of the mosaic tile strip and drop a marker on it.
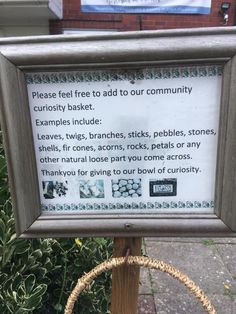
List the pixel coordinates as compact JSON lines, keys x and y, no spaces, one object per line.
{"x":121,"y":206}
{"x":123,"y":75}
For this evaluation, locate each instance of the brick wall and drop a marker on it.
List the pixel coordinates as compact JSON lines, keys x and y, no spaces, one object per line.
{"x":73,"y":18}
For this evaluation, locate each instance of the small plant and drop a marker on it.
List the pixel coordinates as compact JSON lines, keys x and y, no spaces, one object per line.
{"x":208,"y":242}
{"x":37,"y":276}
{"x":228,"y":291}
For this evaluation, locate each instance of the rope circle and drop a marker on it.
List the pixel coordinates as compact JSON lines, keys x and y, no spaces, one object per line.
{"x":141,"y":261}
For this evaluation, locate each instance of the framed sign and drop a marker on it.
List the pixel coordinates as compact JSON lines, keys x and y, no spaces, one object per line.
{"x":121,"y":135}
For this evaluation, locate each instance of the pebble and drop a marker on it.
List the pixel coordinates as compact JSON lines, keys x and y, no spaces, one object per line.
{"x":126,"y":188}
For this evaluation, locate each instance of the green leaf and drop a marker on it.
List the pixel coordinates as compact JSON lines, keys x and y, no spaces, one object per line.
{"x":16,"y":281}
{"x":39,"y":290}
{"x":29,"y":283}
{"x":32,"y":303}
{"x":14,"y":294}
{"x":3,"y":167}
{"x":2,"y":230}
{"x":37,"y":253}
{"x":40,"y":272}
{"x":58,"y":307}
{"x":21,"y":246}
{"x":33,"y":266}
{"x":100,"y":241}
{"x":12,"y":239}
{"x":8,"y":254}
{"x":3,"y":278}
{"x":48,"y":264}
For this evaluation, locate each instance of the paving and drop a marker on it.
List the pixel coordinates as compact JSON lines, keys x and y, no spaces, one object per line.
{"x":210,"y":263}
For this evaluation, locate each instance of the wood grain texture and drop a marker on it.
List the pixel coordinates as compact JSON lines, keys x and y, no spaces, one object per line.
{"x":142,"y":47}
{"x":228,"y":205}
{"x":16,"y":123}
{"x":223,"y":125}
{"x":125,"y":280}
{"x":154,"y":226}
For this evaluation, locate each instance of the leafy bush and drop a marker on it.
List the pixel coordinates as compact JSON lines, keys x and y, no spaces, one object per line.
{"x":37,"y":276}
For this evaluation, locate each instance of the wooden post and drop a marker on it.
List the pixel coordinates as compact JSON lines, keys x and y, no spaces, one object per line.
{"x":125,"y":279}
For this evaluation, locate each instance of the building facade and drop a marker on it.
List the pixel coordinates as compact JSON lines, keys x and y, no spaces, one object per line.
{"x":75,"y":21}
{"x":33,"y":17}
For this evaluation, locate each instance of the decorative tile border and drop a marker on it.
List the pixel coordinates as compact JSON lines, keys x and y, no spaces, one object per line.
{"x":120,"y":206}
{"x":123,"y":75}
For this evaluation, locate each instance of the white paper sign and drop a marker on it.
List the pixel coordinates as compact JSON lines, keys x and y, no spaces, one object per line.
{"x":125,"y":140}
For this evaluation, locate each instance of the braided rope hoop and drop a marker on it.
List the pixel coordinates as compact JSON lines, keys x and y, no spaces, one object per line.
{"x":141,"y":261}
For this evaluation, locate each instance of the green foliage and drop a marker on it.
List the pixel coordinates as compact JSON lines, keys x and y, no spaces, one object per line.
{"x":23,"y":294}
{"x":208,"y":242}
{"x":71,"y":262}
{"x":4,"y":193}
{"x":37,"y":276}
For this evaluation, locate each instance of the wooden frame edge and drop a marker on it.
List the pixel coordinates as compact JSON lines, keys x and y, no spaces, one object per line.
{"x":16,"y":61}
{"x":18,"y":145}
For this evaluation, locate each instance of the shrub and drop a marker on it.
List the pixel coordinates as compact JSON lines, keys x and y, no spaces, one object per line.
{"x":36,"y":276}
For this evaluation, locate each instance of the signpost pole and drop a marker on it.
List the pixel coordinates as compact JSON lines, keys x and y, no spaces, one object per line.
{"x":125,"y":280}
